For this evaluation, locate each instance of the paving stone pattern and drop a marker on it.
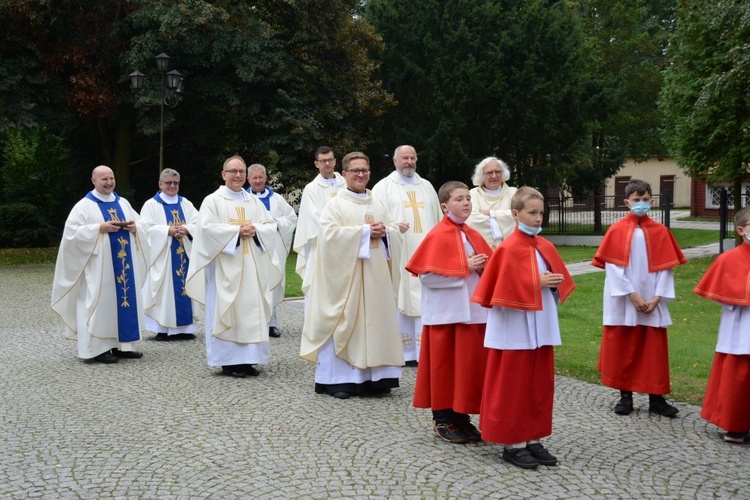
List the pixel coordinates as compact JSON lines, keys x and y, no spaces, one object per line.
{"x":169,"y":426}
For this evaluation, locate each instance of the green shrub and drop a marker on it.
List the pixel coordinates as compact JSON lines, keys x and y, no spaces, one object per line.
{"x":22,"y":225}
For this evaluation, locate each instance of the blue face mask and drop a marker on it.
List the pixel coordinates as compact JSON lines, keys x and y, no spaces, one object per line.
{"x":640,"y":208}
{"x":531,"y":231}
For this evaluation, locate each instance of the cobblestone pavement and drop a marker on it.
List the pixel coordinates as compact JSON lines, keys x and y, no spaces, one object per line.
{"x":168,"y":426}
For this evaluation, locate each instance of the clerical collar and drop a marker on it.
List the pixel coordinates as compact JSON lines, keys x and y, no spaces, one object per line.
{"x":169,"y":200}
{"x":236,"y":195}
{"x":104,"y":197}
{"x":455,"y":219}
{"x":407,"y":180}
{"x":492,"y":192}
{"x":331,"y":182}
{"x":358,"y":195}
{"x":260,"y":195}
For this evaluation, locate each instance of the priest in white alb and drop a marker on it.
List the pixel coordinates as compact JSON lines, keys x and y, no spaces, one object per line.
{"x":351,"y":326}
{"x":314,"y":197}
{"x":413,"y":203}
{"x":170,"y":220}
{"x":490,"y":199}
{"x":99,"y":272}
{"x":286,"y":220}
{"x":232,"y":273}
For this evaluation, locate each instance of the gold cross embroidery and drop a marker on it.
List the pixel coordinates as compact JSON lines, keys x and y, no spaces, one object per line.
{"x":238,"y":222}
{"x":415,"y":206}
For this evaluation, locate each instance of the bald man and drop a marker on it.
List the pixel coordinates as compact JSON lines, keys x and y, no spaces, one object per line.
{"x":99,"y":274}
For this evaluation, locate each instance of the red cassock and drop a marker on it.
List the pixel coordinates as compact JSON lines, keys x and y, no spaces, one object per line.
{"x":452,"y":357}
{"x":519,"y":384}
{"x":636,"y":358}
{"x":726,"y":403}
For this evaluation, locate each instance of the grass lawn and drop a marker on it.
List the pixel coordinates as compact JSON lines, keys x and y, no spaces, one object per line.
{"x":692,"y":337}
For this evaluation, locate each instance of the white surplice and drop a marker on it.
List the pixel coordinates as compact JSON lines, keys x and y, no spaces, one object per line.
{"x":620,"y":281}
{"x":515,"y":329}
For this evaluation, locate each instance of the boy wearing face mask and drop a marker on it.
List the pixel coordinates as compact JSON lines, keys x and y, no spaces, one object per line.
{"x":638,"y":255}
{"x":521,"y":285}
{"x":725,"y":282}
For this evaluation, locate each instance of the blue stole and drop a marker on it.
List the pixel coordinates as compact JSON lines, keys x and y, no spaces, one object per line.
{"x":183,"y":306}
{"x":122,"y":263}
{"x":266,"y":200}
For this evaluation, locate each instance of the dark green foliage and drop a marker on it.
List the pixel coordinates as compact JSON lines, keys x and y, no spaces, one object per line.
{"x":476,"y":78}
{"x":706,"y":96}
{"x":23,"y":225}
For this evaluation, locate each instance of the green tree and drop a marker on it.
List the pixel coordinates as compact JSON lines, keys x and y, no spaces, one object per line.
{"x":475,"y":78}
{"x":624,"y":45}
{"x":705,"y":96}
{"x":270,"y":80}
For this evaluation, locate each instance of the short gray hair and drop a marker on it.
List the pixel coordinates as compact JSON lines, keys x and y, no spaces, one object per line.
{"x":478,"y":178}
{"x":168,"y":172}
{"x":257,"y":166}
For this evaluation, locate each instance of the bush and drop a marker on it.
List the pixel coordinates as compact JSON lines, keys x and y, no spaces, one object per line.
{"x":22,"y":225}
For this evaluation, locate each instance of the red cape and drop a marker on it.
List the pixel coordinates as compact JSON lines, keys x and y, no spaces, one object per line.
{"x":442,"y":250}
{"x":728,"y":279}
{"x":661,"y":247}
{"x":511,"y":277}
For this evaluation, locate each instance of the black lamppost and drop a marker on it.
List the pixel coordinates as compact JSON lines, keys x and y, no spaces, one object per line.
{"x":172,"y":85}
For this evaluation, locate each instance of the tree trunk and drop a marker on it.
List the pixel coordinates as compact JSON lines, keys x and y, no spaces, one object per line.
{"x":121,"y":157}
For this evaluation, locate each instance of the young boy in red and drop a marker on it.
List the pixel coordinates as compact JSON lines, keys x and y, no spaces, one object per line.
{"x":452,"y":357}
{"x":727,"y":282}
{"x":638,"y":255}
{"x":522,"y":283}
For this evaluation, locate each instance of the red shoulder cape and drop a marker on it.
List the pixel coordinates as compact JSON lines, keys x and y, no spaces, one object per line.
{"x":442,"y":250}
{"x":511,"y":277}
{"x":728,"y":279}
{"x":661,"y":247}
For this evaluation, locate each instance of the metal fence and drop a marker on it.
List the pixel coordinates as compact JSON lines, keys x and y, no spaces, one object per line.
{"x":726,"y":214}
{"x":594,"y":214}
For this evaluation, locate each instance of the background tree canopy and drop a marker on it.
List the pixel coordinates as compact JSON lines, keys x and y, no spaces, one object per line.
{"x":706,"y":96}
{"x":268,"y":80}
{"x":564,"y":90}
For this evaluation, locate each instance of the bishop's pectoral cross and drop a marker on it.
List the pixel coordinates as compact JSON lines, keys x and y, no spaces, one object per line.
{"x":415,"y":206}
{"x":240,"y":220}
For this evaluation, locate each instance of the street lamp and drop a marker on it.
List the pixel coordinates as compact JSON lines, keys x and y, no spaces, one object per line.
{"x":172,"y":86}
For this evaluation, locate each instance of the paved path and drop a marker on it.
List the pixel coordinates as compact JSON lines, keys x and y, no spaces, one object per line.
{"x":168,"y":426}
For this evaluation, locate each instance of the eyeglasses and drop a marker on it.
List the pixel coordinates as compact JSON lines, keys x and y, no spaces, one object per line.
{"x":327,"y":161}
{"x":358,"y":171}
{"x":171,"y":183}
{"x":235,"y":172}
{"x":493,"y":172}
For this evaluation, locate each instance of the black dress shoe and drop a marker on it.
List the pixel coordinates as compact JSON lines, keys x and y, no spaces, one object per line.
{"x":249,"y":370}
{"x":127,"y":354}
{"x":274,"y":332}
{"x":106,"y":357}
{"x":183,"y":336}
{"x":235,"y":371}
{"x":162,"y":337}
